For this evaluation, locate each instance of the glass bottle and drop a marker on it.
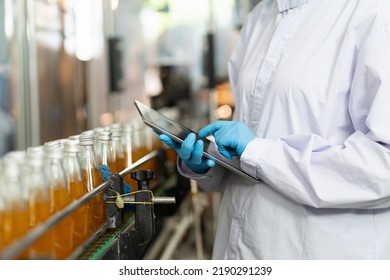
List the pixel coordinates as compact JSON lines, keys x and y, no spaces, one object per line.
{"x":139,"y":147}
{"x":143,"y":144}
{"x":92,"y":179}
{"x":117,"y":147}
{"x":128,"y":150}
{"x":151,"y":145}
{"x":96,"y":132}
{"x":105,"y":153}
{"x":59,"y":196}
{"x":2,"y":197}
{"x":74,"y":178}
{"x":39,"y":203}
{"x":138,"y":140}
{"x":53,"y":144}
{"x":15,"y":218}
{"x":74,"y":137}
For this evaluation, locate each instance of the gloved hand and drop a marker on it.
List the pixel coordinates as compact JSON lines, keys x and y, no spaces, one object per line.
{"x":105,"y":171}
{"x":191,"y":152}
{"x":231,"y":137}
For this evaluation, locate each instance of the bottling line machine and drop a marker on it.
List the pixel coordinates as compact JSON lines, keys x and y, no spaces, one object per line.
{"x":125,"y":235}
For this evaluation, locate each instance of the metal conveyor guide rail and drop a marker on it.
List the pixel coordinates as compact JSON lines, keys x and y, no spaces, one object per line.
{"x":119,"y":237}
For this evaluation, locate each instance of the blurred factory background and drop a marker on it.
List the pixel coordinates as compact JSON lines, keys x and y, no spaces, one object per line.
{"x":68,"y":66}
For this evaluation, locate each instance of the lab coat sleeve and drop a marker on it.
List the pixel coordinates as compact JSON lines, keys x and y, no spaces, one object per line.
{"x":356,"y":174}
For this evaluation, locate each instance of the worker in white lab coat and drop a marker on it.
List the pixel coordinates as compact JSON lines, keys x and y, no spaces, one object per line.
{"x":311,"y":81}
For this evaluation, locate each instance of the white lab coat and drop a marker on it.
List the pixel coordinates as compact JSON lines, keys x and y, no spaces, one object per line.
{"x":311,"y":79}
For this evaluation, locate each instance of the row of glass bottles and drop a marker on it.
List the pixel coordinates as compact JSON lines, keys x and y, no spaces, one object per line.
{"x":41,"y":181}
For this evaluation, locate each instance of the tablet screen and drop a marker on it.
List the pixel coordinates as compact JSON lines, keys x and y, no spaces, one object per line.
{"x":166,"y":125}
{"x":179,"y":132}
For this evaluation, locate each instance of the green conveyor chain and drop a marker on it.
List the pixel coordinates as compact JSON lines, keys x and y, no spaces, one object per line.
{"x":103,"y":242}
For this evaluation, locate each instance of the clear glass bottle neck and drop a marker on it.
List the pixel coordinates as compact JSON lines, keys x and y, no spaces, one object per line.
{"x":89,"y":166}
{"x":105,"y":153}
{"x":55,"y":173}
{"x":72,"y":166}
{"x":88,"y":157}
{"x":117,"y":147}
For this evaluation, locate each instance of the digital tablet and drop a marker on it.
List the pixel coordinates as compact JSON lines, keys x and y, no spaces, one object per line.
{"x":178,"y":133}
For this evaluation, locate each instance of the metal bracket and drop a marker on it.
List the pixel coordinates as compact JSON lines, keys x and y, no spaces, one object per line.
{"x":138,"y":240}
{"x":113,"y":213}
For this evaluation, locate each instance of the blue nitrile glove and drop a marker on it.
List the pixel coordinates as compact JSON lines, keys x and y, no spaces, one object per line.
{"x":231,"y":137}
{"x":191,"y":152}
{"x":105,"y":171}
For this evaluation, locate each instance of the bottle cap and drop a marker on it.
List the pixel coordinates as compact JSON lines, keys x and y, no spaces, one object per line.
{"x":38,"y":150}
{"x":35,"y":155}
{"x":18,"y":156}
{"x":127,"y":127}
{"x":86,"y":139}
{"x":13,"y":161}
{"x":72,"y":146}
{"x":55,"y":152}
{"x":116,"y":130}
{"x":104,"y":135}
{"x":35,"y":160}
{"x":98,"y":129}
{"x":74,"y":137}
{"x":52,"y":144}
{"x":88,"y":132}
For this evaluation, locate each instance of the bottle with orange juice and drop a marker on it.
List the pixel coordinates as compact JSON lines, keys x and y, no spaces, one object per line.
{"x":92,"y":179}
{"x":39,"y":203}
{"x":59,"y":196}
{"x":117,"y":147}
{"x":152,"y":143}
{"x":15,"y":215}
{"x":74,"y":180}
{"x":143,"y":143}
{"x":105,"y":153}
{"x":2,"y":197}
{"x":127,"y":136}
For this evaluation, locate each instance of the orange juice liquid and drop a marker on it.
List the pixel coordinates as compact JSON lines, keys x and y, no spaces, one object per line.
{"x":97,"y":177}
{"x":128,"y":161}
{"x":20,"y":222}
{"x":171,"y":155}
{"x":1,"y":230}
{"x":6,"y":229}
{"x":63,"y":232}
{"x":99,"y":210}
{"x":92,"y":180}
{"x":81,"y":217}
{"x":43,"y":248}
{"x":112,"y":166}
{"x":136,"y":155}
{"x":88,"y":177}
{"x":14,"y":226}
{"x":120,"y":164}
{"x":39,"y":208}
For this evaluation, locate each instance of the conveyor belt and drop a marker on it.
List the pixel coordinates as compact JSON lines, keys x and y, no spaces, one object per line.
{"x":104,"y":242}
